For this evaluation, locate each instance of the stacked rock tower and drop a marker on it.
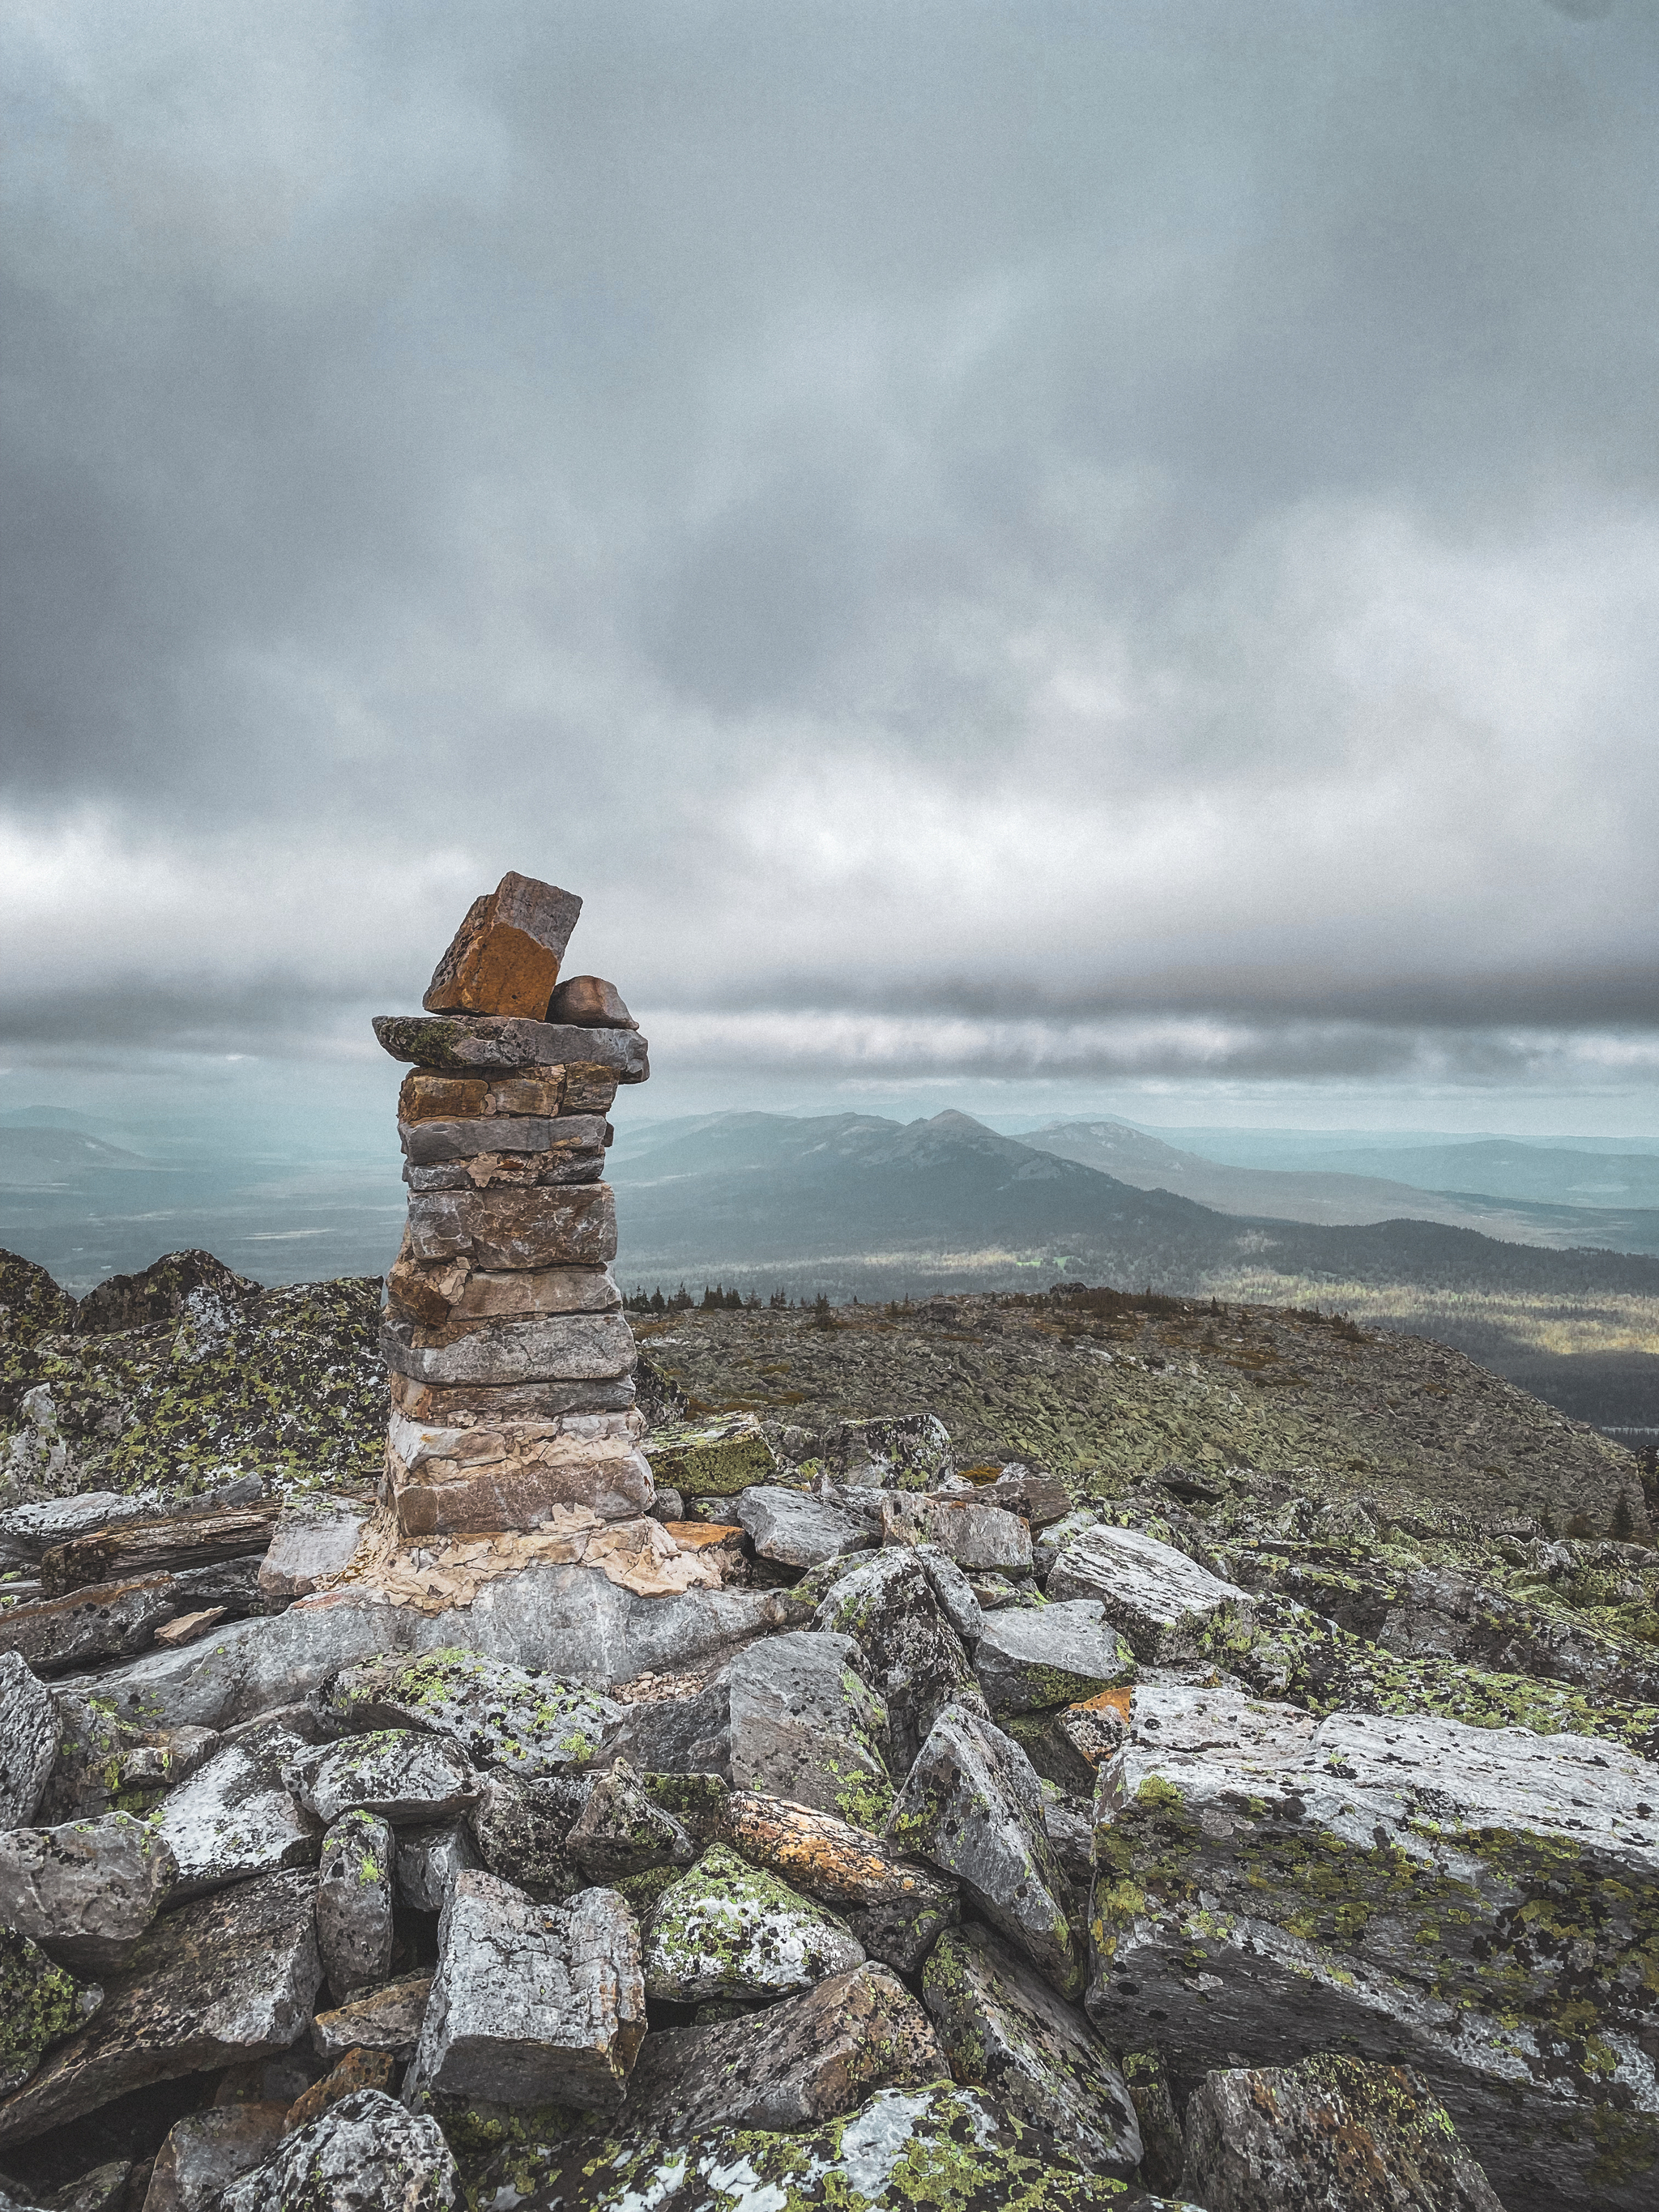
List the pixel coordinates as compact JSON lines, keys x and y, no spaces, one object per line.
{"x":509,"y":1355}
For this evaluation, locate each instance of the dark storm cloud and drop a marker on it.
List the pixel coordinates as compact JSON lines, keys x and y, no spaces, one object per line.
{"x":1044,"y":514}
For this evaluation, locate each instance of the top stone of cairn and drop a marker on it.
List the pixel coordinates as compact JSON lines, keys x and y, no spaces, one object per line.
{"x":505,"y":957}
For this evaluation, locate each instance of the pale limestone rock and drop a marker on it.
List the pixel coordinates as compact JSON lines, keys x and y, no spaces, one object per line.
{"x":1156,"y":1597}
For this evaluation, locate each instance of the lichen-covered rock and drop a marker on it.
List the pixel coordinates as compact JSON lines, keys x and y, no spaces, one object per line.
{"x":384,"y":2019}
{"x":1330,"y":2131}
{"x":532,"y":2005}
{"x":729,"y":1929}
{"x":791,"y":1716}
{"x":792,"y":1530}
{"x":206,"y":2152}
{"x":105,"y":1620}
{"x":500,"y":1714}
{"x":620,"y":1830}
{"x":712,"y":1459}
{"x":29,"y":1734}
{"x":364,"y":2154}
{"x":87,"y":1890}
{"x":1482,"y":1905}
{"x":40,"y":2003}
{"x":981,"y":1537}
{"x":1058,"y":1654}
{"x":1155,"y":1596}
{"x":903,"y":1451}
{"x":238,"y":1815}
{"x":948,"y":2149}
{"x":355,"y":1933}
{"x":227,"y":1977}
{"x":87,"y":1775}
{"x":805,"y":2059}
{"x":428,"y":1859}
{"x":520,"y":1828}
{"x":890,"y":1609}
{"x":972,"y":1806}
{"x":403,"y":1774}
{"x":1004,"y":2030}
{"x":895,"y":1907}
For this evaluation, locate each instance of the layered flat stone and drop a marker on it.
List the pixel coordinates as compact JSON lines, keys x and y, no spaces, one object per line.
{"x":435,"y":1142}
{"x":224,"y":1978}
{"x":505,"y":1171}
{"x":462,"y":1045}
{"x":478,"y":1405}
{"x":1470,"y":1902}
{"x":565,"y":1347}
{"x":532,"y":2005}
{"x":511,"y":1229}
{"x":455,"y":1481}
{"x":1161,"y":1601}
{"x":504,"y":958}
{"x":454,"y":1290}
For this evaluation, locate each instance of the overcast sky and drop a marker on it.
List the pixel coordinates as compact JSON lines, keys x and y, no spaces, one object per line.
{"x":1111,"y":546}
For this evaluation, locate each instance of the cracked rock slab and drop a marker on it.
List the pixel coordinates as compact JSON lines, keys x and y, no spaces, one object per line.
{"x":729,"y":1929}
{"x":238,"y":1816}
{"x":87,"y":1890}
{"x":1477,"y":1903}
{"x":227,"y":1977}
{"x":1330,"y":2131}
{"x":1028,"y":1658}
{"x":404,"y":1775}
{"x":1004,"y":2029}
{"x":1156,"y":1597}
{"x":794,"y":1530}
{"x":972,"y":1806}
{"x":532,"y":2005}
{"x":805,"y":2059}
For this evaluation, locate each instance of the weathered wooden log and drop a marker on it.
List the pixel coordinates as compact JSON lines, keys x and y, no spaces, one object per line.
{"x":152,"y":1547}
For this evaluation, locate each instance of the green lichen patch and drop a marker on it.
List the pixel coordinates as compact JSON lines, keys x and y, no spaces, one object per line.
{"x":503,"y":1716}
{"x":40,"y":2003}
{"x":712,"y":1459}
{"x":729,"y":1929}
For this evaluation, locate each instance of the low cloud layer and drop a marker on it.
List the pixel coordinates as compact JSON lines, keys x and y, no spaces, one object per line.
{"x":1118,"y":540}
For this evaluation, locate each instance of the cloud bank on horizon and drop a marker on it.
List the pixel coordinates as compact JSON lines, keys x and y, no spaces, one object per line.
{"x":1117,"y":541}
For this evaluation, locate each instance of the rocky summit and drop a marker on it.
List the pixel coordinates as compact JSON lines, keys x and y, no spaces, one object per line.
{"x":1069,"y":1750}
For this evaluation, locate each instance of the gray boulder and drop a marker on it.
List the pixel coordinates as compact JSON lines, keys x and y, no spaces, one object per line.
{"x":28,"y":1532}
{"x":972,"y":1806}
{"x":206,"y":2152}
{"x":1162,"y":1602}
{"x":1054,"y":1654}
{"x":29,"y":1733}
{"x":621,"y":1831}
{"x":1470,"y":1901}
{"x":40,"y":2003}
{"x":226,"y":1977}
{"x":249,"y":1668}
{"x":428,"y":1859}
{"x":532,"y":2005}
{"x":791,"y":1716}
{"x":980,"y":1537}
{"x":1330,"y":2131}
{"x":354,"y":1903}
{"x":364,"y":2154}
{"x":85,"y":1892}
{"x":792,"y":1530}
{"x":384,"y":2019}
{"x":729,"y":1929}
{"x":802,"y":2060}
{"x":501,"y":1714}
{"x":902,"y":1451}
{"x":405,"y":1776}
{"x":105,"y":1620}
{"x":891,"y":1610}
{"x":1003,"y":2029}
{"x":520,"y":1828}
{"x":238,"y":1816}
{"x":310,"y":1542}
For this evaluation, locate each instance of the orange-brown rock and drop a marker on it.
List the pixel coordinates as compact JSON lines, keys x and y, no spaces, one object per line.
{"x":358,"y":2070}
{"x":588,"y":1002}
{"x":830,"y":1858}
{"x":544,"y":1092}
{"x":574,"y":1227}
{"x":426,"y":1098}
{"x":472,"y":1480}
{"x":505,"y":957}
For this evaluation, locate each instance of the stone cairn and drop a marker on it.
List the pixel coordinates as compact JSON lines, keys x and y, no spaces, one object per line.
{"x":509,"y":1352}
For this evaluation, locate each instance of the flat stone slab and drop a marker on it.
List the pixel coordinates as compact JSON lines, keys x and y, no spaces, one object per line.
{"x":238,"y":1816}
{"x":1004,"y":2030}
{"x":791,"y":1716}
{"x":1162,"y":1602}
{"x":486,"y":1476}
{"x":88,"y":1890}
{"x":226,"y":1977}
{"x":406,"y":1775}
{"x":1473,"y":1902}
{"x":972,"y":1806}
{"x":794,"y":1530}
{"x":532,"y":2005}
{"x":729,"y":1929}
{"x":435,"y":1142}
{"x":500,"y":1715}
{"x":1333,"y":2131}
{"x":573,"y":1226}
{"x":466,"y":1044}
{"x":345,"y":2159}
{"x":106,"y":1620}
{"x":571,"y":1347}
{"x":386,"y":2018}
{"x":804,"y":2059}
{"x":1030,"y":1657}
